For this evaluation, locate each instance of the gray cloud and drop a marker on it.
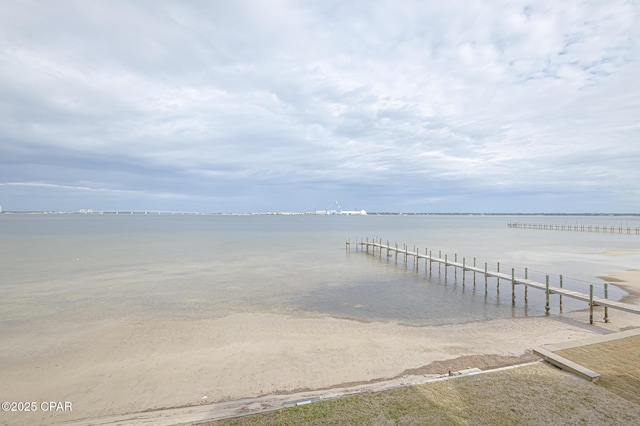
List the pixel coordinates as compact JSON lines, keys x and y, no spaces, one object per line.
{"x":251,"y":105}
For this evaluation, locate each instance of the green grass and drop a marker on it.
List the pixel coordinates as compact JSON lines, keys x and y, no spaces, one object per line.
{"x":532,"y":395}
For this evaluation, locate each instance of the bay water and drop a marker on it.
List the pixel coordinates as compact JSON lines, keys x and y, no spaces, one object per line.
{"x":70,"y":268}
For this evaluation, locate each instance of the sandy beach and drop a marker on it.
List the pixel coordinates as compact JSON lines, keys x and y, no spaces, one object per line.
{"x":117,"y":367}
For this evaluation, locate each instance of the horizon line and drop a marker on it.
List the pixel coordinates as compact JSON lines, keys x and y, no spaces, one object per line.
{"x":184,"y":212}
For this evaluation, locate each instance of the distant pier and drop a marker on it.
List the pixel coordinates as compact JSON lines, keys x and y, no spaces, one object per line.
{"x":377,"y":246}
{"x":577,"y":228}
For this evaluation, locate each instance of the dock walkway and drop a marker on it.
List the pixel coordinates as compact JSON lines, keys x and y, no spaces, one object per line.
{"x":629,"y":230}
{"x":592,"y":300}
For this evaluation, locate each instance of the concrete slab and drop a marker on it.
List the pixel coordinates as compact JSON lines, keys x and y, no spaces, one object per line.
{"x":612,"y":359}
{"x":567,"y":365}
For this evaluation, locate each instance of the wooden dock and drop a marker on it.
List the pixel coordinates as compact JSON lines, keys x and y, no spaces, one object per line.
{"x":629,"y":230}
{"x":592,"y":301}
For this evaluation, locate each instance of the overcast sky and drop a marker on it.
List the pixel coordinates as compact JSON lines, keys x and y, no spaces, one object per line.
{"x":229,"y":106}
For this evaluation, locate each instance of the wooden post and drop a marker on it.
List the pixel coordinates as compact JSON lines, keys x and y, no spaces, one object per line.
{"x":546,"y":305}
{"x":396,"y":253}
{"x":367,"y":245}
{"x":417,"y":252}
{"x":606,"y":296}
{"x":590,"y":303}
{"x":526,"y":287}
{"x":513,"y":286}
{"x":474,"y":271}
{"x":485,"y":278}
{"x":426,"y":259}
{"x":455,"y":268}
{"x":561,"y":294}
{"x":439,"y":257}
{"x":463,"y":269}
{"x":430,"y":263}
{"x":498,"y":279}
{"x":445,"y":267}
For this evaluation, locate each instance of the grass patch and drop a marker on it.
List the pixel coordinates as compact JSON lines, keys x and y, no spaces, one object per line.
{"x":530,"y":395}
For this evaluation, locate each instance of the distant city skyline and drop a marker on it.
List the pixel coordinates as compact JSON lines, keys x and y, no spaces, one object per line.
{"x":317,"y":213}
{"x":245,"y":106}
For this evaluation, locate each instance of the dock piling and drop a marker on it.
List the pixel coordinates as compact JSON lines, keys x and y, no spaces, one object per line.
{"x":629,"y":230}
{"x":546,"y":306}
{"x":590,"y":303}
{"x":426,"y":259}
{"x":486,"y":276}
{"x":606,"y":309}
{"x":526,"y":287}
{"x":513,"y":286}
{"x":445,"y":267}
{"x":464,"y":268}
{"x":561,"y":284}
{"x":474,"y":271}
{"x":455,"y":268}
{"x":429,"y":259}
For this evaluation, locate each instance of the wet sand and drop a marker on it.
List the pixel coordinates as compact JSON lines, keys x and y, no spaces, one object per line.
{"x":116,"y":367}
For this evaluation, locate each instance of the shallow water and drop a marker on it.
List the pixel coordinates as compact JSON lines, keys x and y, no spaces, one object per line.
{"x":60,"y":268}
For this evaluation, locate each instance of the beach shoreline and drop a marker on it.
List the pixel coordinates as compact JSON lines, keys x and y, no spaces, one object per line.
{"x":122,"y":367}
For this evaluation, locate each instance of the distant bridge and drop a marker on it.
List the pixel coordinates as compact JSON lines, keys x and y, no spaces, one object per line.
{"x":144,"y":212}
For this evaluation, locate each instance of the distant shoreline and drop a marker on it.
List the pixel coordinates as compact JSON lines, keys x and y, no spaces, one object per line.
{"x":184,"y":213}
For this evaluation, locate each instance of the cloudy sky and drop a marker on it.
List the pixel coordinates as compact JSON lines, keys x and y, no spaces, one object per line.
{"x":415,"y":106}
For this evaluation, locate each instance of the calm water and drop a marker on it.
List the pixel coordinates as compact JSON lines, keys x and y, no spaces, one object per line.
{"x":81,"y":268}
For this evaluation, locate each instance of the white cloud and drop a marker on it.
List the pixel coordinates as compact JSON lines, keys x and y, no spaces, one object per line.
{"x":210,"y":96}
{"x":104,"y":192}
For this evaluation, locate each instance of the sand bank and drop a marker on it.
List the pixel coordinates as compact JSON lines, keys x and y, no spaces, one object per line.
{"x":628,"y":281}
{"x":122,"y":367}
